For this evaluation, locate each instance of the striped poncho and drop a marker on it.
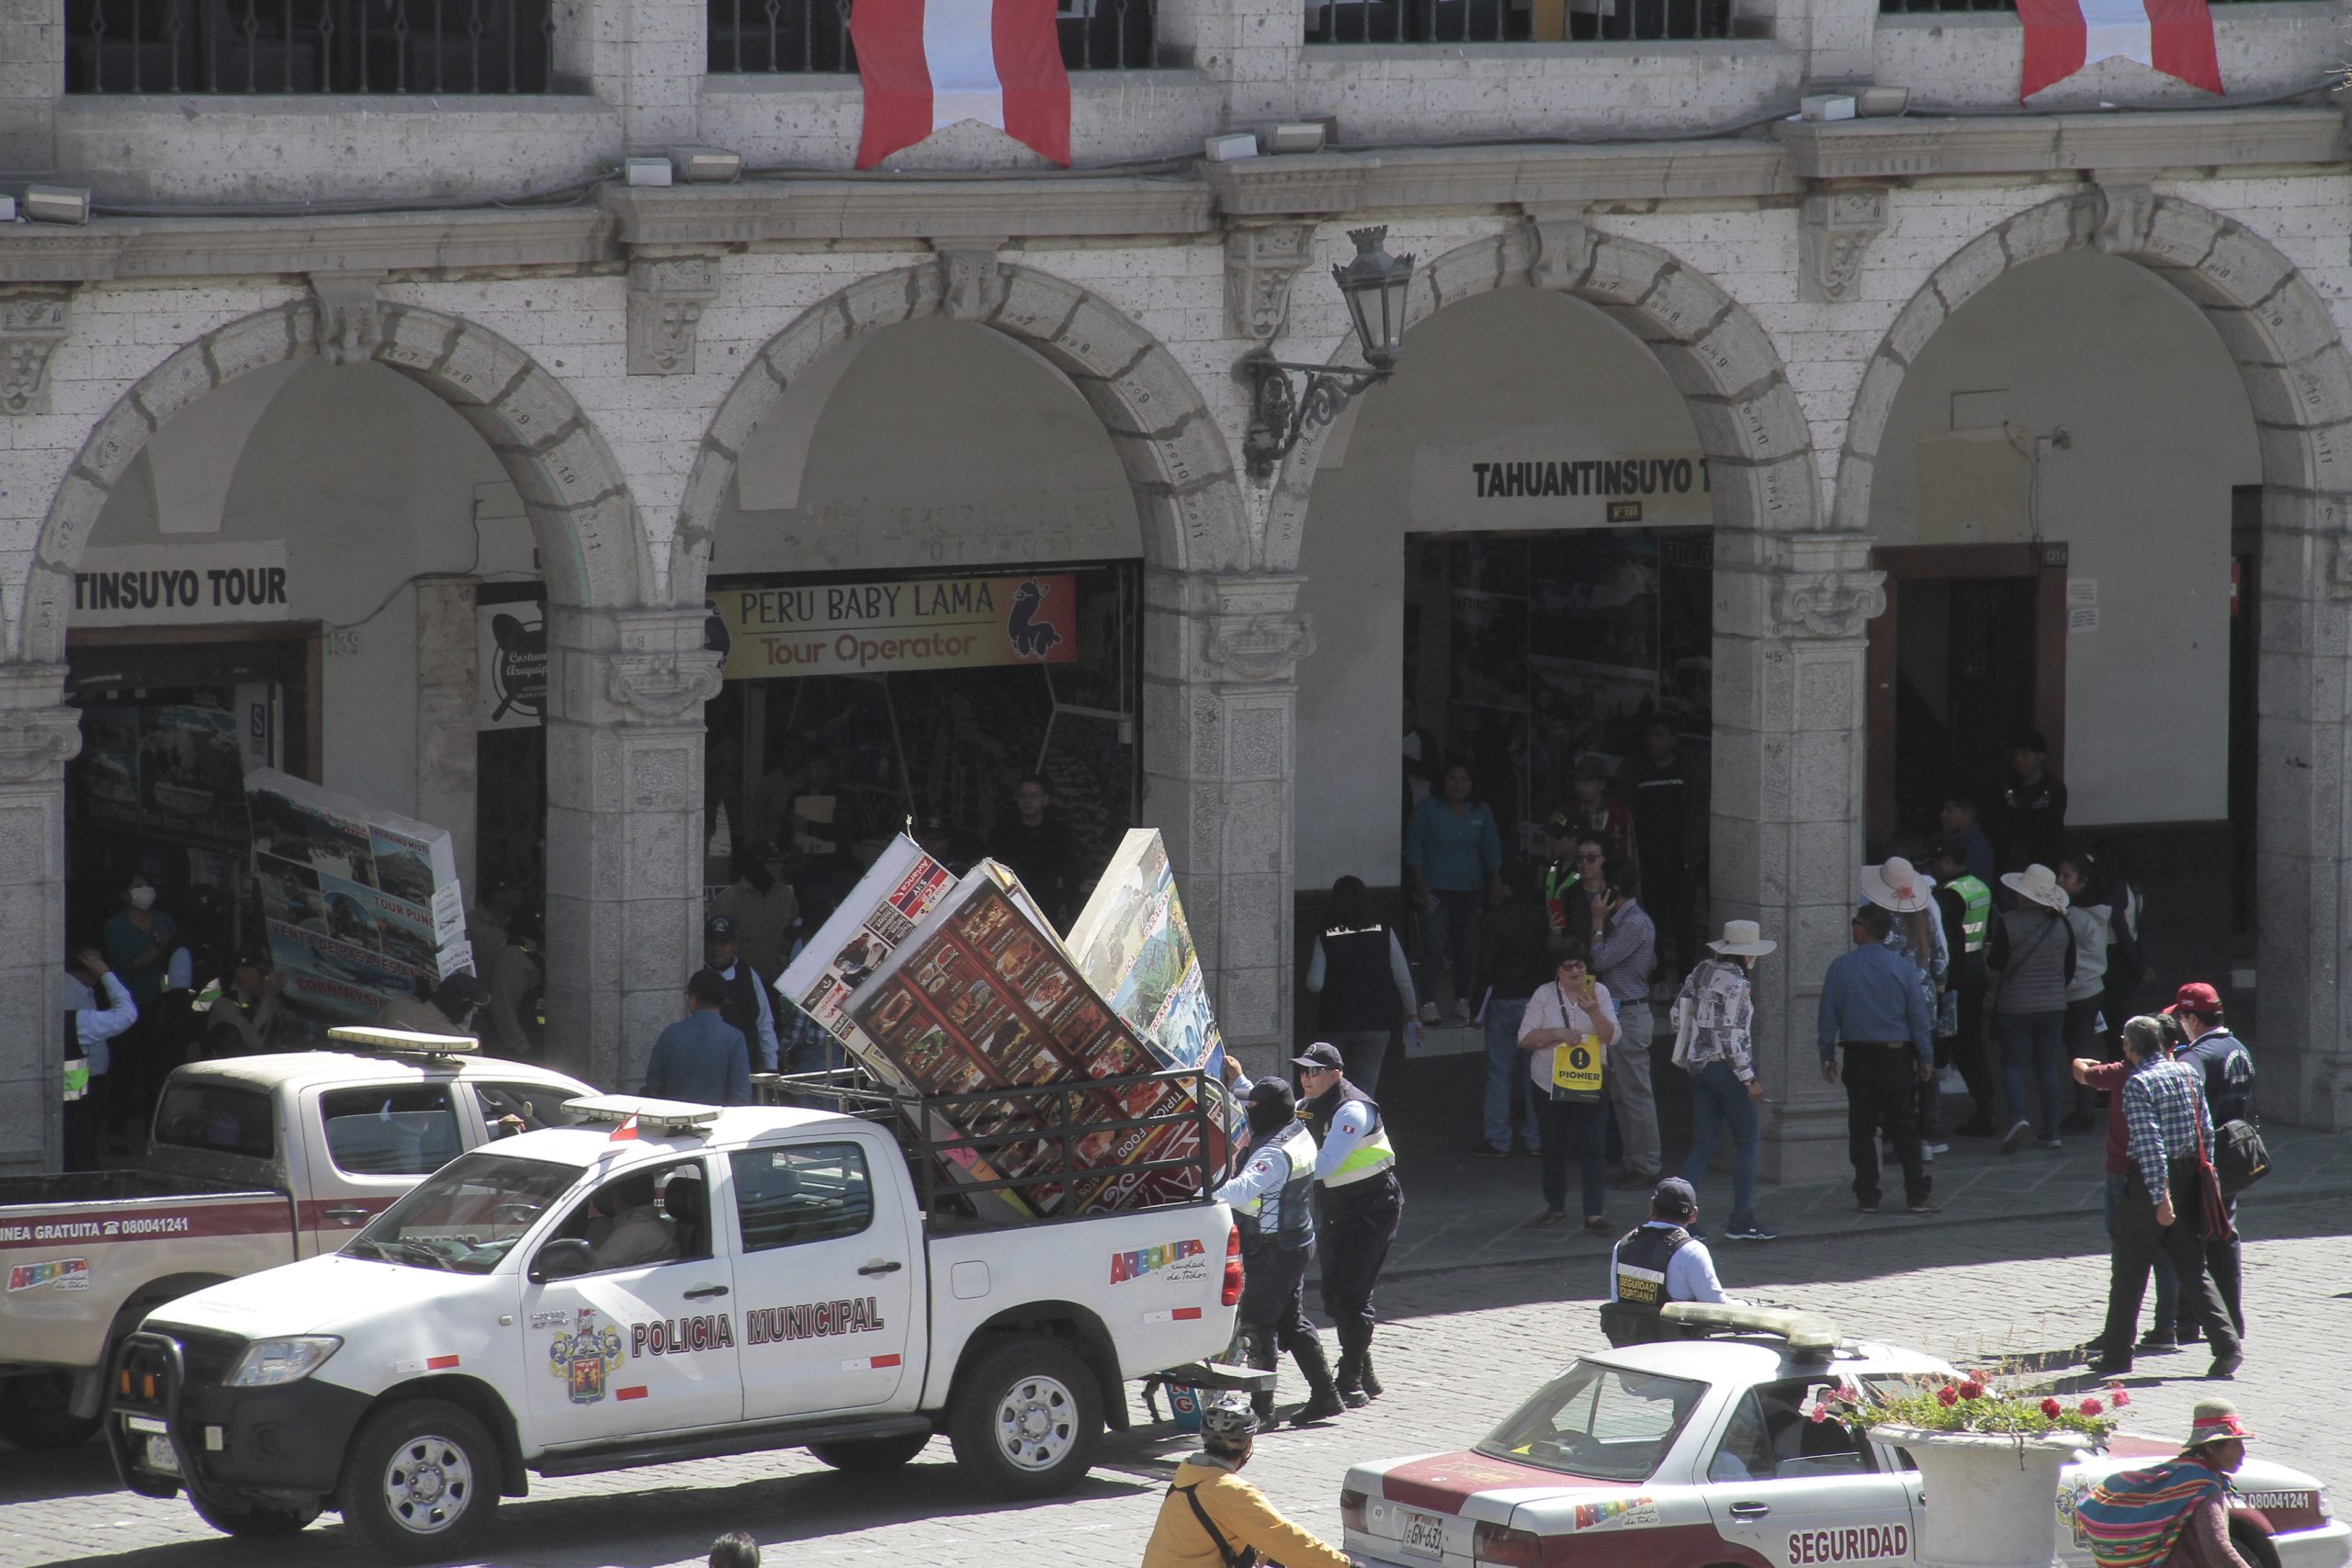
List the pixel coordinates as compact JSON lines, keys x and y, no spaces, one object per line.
{"x":2133,"y":1519}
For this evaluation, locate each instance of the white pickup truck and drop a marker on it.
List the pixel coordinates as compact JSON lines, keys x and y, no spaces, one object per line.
{"x":253,"y":1161}
{"x":691,"y":1283}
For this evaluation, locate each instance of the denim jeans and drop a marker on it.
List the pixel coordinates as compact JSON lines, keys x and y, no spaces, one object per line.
{"x":1507,"y":1078}
{"x":1719,"y":1100}
{"x":2041,"y":1037}
{"x":1450,"y":941}
{"x":2168,"y":1283}
{"x":1584,"y":1124}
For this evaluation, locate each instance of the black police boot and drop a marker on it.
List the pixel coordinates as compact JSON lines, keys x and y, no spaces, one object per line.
{"x":1371,"y":1384}
{"x":1258,"y":1350}
{"x":1322,"y":1398}
{"x":1349,"y":1379}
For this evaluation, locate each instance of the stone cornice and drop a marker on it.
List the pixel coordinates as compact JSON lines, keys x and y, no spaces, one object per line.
{"x":1920,"y":146}
{"x":771,"y":211}
{"x":114,"y":248}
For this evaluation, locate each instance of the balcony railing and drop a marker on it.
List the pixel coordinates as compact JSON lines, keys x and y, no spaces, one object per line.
{"x":811,"y":37}
{"x":1515,"y":21}
{"x":449,"y":47}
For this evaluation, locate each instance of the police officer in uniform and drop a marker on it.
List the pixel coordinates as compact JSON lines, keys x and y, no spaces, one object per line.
{"x":1965,"y":904}
{"x":1657,"y":1262}
{"x":747,"y":998}
{"x":1359,"y":1203}
{"x":1269,"y":1199}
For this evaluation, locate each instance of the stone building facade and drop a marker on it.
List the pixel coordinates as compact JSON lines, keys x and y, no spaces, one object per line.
{"x":616,"y":349}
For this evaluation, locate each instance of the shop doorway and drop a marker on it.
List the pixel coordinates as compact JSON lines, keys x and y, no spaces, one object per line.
{"x":1970,"y":650}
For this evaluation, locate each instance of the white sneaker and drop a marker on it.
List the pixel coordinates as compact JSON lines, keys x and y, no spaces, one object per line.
{"x":1429,"y":1012}
{"x":1931,"y":1150}
{"x":2015,"y":1136}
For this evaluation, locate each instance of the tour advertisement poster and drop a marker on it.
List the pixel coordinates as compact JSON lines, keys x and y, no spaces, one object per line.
{"x":983,"y":997}
{"x":170,"y":769}
{"x":860,"y":629}
{"x":359,"y":904}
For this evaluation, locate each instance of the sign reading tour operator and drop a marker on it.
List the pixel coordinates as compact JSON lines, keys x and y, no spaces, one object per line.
{"x":944,"y":623}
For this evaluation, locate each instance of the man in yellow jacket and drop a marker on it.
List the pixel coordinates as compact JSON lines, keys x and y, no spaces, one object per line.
{"x":1213,"y":1519}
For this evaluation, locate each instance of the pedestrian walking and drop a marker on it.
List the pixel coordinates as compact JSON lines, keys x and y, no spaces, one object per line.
{"x":2166,"y":1132}
{"x":702,"y":1059}
{"x":1270,"y":1201}
{"x":1212,"y":1519}
{"x":2090,"y":919}
{"x":1714,"y":1015}
{"x":1364,"y":985}
{"x":1964,"y":907}
{"x":1515,"y":961}
{"x":1453,"y":859}
{"x":1908,"y":894}
{"x":1623,"y":946}
{"x":2174,"y":1515}
{"x":139,"y":939}
{"x":747,"y":1006}
{"x":1660,"y":1260}
{"x":98,"y":1008}
{"x":2032,"y":960}
{"x":2226,"y":1067}
{"x":1571,"y":1017}
{"x":763,"y":907}
{"x":1358,"y":1204}
{"x":1872,"y":1006}
{"x":2108,"y":1078}
{"x":1670,"y":809}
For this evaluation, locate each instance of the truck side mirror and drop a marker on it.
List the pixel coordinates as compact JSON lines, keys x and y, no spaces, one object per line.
{"x":564,"y":1260}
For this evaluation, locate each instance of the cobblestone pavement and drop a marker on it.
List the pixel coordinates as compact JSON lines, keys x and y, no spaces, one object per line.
{"x":1463,"y":1346}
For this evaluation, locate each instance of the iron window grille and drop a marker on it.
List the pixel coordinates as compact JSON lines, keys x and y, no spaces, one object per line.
{"x":447,"y":47}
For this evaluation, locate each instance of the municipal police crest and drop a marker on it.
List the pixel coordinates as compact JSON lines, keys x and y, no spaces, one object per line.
{"x":585,"y":1354}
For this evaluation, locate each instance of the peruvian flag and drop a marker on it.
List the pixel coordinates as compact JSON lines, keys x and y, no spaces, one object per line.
{"x":2175,"y":37}
{"x":627,"y":1131}
{"x":926,"y":64}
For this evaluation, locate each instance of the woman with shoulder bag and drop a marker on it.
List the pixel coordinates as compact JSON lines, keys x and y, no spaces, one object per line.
{"x":2031,"y":960}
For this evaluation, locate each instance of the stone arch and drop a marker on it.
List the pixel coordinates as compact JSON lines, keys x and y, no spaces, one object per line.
{"x":1166,"y":438}
{"x":1758,"y":448}
{"x":2298,"y":378}
{"x":570,"y":485}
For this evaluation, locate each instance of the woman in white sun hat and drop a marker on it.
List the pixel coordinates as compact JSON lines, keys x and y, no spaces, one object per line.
{"x":1714,"y":1018}
{"x":2031,"y":962}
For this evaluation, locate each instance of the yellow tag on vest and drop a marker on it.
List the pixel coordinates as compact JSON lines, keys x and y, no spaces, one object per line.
{"x":1577,"y":1069}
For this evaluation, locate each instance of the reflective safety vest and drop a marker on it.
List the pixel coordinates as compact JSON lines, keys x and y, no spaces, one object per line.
{"x":1293,"y":1220}
{"x":1639,"y":1273}
{"x":1975,"y":912}
{"x":1373,"y":1153}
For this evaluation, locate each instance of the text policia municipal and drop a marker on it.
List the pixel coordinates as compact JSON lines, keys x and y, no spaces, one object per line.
{"x":1611,"y":475}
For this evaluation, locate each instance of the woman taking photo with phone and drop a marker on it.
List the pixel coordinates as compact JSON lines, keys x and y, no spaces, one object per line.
{"x":1572,"y":1018}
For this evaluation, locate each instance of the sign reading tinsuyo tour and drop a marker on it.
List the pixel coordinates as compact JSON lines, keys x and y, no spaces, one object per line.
{"x":942,"y":623}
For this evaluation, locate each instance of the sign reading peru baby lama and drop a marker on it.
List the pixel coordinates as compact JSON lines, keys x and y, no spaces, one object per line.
{"x":940,"y":623}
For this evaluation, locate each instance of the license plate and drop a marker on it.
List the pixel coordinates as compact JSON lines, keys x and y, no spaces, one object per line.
{"x":1424,"y":1535}
{"x":144,"y":1424}
{"x":160,"y":1455}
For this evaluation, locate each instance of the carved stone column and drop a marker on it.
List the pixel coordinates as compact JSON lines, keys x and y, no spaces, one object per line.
{"x":33,"y":322}
{"x":1833,"y":232}
{"x":1220,"y":700}
{"x":667,"y":294}
{"x":623,"y":830}
{"x":1788,"y":796}
{"x":39,"y":735}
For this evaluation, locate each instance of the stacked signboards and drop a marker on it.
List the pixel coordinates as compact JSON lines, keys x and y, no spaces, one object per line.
{"x":944,"y":989}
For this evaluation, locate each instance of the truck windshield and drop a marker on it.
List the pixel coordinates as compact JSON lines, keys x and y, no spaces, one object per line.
{"x":1609,"y":1423}
{"x":467,"y":1215}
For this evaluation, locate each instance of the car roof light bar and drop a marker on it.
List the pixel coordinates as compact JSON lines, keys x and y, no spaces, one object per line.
{"x":404,"y":1041}
{"x":1807,"y":1332}
{"x":665,"y":1115}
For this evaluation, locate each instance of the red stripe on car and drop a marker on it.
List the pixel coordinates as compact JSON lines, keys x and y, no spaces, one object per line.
{"x":637,"y":1392}
{"x":886,"y":1361}
{"x":439,"y":1363}
{"x":1447,"y":1482}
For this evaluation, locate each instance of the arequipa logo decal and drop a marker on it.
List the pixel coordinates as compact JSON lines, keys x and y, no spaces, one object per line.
{"x":585,"y":1356}
{"x":1173,"y":1257}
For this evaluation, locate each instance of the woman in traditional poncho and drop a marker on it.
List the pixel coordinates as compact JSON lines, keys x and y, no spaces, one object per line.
{"x":2174,"y":1514}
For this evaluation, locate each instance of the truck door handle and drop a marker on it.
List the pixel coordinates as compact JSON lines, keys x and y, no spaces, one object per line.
{"x":348,"y":1216}
{"x":701,"y":1292}
{"x":1750,"y":1510}
{"x":879,"y":1266}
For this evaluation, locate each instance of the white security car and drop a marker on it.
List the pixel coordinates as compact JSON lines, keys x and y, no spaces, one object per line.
{"x":1699,"y":1454}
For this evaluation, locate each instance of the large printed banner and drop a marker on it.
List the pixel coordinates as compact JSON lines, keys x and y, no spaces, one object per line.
{"x":360,"y":904}
{"x":958,"y":623}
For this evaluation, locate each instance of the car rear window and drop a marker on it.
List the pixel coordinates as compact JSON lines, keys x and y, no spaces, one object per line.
{"x":807,"y":1193}
{"x":216,"y":1119}
{"x":390,"y":1129}
{"x":1604,"y":1422}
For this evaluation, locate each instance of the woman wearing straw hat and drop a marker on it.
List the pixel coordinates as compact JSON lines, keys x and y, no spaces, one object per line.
{"x":1908,"y":894}
{"x":1714,"y":1016}
{"x":2032,"y":963}
{"x":2176,"y":1514}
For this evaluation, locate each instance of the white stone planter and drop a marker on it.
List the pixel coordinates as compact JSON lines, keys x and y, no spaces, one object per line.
{"x":1991,"y":1501}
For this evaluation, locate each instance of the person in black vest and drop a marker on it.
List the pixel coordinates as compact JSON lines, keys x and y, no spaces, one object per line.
{"x":1360,"y":971}
{"x":747,"y":999}
{"x":1656,"y":1262}
{"x":1271,"y":1204}
{"x":1360,"y":1202}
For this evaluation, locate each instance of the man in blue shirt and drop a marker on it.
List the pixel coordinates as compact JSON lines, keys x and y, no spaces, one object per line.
{"x":702,"y":1059}
{"x":1872,"y":1004}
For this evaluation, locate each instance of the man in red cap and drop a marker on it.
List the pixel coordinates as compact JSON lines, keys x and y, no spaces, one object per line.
{"x":2227,"y":1068}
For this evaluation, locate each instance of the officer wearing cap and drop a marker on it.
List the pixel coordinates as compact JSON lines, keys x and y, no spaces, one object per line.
{"x":1270,"y":1200}
{"x":1213,"y":1519}
{"x":1359,"y":1203}
{"x":747,"y":999}
{"x":1656,"y":1262}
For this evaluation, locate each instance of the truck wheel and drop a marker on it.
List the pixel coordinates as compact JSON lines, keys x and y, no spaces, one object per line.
{"x":1027,"y":1418}
{"x":422,"y":1480}
{"x":33,"y":1413}
{"x":2253,"y":1545}
{"x":255,"y":1519}
{"x":863,"y":1456}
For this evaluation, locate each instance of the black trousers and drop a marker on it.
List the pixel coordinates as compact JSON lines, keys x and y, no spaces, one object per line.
{"x":1354,"y":1238}
{"x":2137,"y":1240}
{"x":1273,"y":1282}
{"x":1965,"y":1051}
{"x":1883,"y":1093}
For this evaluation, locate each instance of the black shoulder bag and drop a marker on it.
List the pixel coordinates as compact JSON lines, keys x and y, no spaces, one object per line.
{"x":1245,"y":1558}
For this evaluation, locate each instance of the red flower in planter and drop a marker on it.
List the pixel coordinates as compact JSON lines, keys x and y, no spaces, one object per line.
{"x":1947,"y":1396}
{"x":2052,"y":1409}
{"x":1972,"y":1388}
{"x":2092,"y":1407}
{"x":2118,"y":1396}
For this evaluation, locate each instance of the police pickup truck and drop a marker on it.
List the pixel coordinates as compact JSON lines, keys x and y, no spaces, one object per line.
{"x":252,"y":1162}
{"x":679,"y":1282}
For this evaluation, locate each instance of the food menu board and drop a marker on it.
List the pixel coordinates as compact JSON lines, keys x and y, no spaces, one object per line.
{"x":893,"y":897}
{"x":984,"y":998}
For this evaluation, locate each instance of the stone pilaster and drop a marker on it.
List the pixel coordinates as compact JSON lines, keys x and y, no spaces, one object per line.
{"x":1789,"y":737}
{"x":33,"y":322}
{"x":1220,"y":700}
{"x":667,"y":294}
{"x":623,"y":830}
{"x":39,"y":735}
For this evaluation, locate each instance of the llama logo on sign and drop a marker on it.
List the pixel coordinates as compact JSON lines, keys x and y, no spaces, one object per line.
{"x":1033,"y":635}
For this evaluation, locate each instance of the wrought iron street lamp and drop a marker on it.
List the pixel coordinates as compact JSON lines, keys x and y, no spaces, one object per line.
{"x":1373,"y":284}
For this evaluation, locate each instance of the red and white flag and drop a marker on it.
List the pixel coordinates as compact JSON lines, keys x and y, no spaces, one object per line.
{"x":627,"y":1131}
{"x":2175,"y":37}
{"x":925,"y":65}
